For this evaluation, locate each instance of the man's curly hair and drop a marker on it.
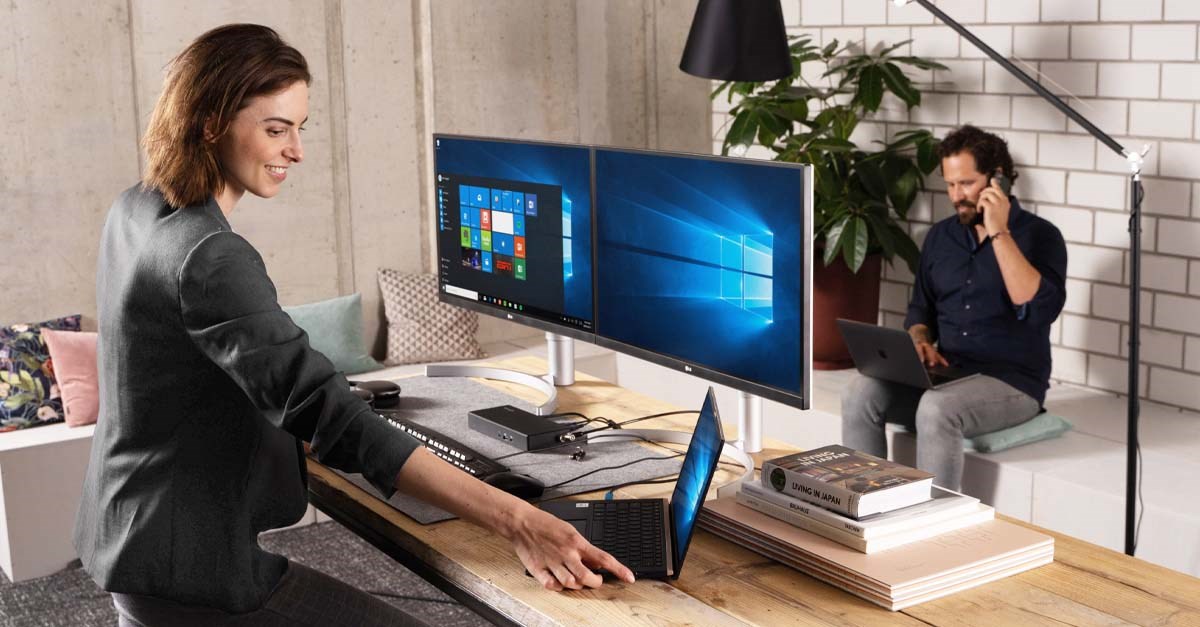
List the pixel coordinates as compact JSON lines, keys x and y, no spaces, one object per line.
{"x":989,"y":150}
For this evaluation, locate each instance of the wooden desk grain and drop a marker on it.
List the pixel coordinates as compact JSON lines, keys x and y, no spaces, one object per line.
{"x":723,"y":584}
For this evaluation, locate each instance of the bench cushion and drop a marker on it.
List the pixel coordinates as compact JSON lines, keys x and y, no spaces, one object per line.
{"x":335,"y":328}
{"x":1041,"y":427}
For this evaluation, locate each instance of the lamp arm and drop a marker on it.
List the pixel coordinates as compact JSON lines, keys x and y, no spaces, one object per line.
{"x":1031,"y":83}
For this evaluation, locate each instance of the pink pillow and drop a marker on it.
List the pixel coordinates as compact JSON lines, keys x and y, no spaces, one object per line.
{"x":74,"y":356}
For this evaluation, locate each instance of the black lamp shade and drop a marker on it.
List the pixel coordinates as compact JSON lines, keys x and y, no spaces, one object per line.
{"x":737,"y":40}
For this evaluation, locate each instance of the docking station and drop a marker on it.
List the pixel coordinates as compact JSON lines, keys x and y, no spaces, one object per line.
{"x":521,"y":429}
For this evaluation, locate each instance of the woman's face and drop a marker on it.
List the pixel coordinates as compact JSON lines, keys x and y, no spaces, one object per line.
{"x":261,"y":143}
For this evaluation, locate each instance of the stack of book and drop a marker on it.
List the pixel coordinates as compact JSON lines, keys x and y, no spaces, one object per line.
{"x":874,"y":528}
{"x":859,"y":500}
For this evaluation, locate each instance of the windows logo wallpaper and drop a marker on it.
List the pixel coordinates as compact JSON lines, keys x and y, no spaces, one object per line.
{"x":496,"y":223}
{"x":699,"y":259}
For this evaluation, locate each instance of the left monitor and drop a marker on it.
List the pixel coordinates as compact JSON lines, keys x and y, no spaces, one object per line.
{"x":514,"y":235}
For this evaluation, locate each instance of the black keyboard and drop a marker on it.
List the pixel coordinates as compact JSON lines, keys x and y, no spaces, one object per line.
{"x":632,"y":531}
{"x":459,"y":455}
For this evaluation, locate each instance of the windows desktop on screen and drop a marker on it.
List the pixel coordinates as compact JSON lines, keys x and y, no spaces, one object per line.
{"x":700,"y":260}
{"x":515,"y":227}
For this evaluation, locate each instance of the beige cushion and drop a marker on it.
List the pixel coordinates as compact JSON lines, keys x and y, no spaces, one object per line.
{"x":419,"y":327}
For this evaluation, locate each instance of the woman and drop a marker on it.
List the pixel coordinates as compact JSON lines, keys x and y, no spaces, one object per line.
{"x":208,"y":389}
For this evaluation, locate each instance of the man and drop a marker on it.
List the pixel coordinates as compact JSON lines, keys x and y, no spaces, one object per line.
{"x":989,"y":284}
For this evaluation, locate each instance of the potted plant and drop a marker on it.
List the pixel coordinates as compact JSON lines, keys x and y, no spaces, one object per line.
{"x":861,"y":192}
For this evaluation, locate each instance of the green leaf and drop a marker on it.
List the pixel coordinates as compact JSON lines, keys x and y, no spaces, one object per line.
{"x":905,"y":247}
{"x":927,"y":159}
{"x":894,"y":47}
{"x":904,"y":190}
{"x":880,"y":233}
{"x":900,"y":84}
{"x":830,"y":48}
{"x":833,"y":239}
{"x":4,"y":377}
{"x":918,"y":62}
{"x":872,"y":179}
{"x":737,"y":131}
{"x":870,"y":88}
{"x":26,"y":380}
{"x":795,"y":110}
{"x":854,"y":243}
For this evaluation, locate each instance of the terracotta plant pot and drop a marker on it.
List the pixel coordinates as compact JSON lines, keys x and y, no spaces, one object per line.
{"x":840,"y":293}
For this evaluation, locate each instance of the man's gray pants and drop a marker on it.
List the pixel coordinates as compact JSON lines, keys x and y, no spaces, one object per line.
{"x":941,"y":418}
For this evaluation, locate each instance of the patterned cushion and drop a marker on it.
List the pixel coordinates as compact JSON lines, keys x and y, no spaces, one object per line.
{"x":420,"y":327}
{"x":29,"y":395}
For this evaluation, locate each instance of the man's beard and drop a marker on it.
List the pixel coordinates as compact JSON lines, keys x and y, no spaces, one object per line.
{"x":966,"y":217}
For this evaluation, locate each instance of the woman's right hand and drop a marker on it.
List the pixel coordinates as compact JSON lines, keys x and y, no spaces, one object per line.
{"x":929,"y":354}
{"x":556,"y":555}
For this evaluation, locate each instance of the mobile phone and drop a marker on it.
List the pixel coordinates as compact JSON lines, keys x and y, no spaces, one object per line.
{"x":1005,"y":184}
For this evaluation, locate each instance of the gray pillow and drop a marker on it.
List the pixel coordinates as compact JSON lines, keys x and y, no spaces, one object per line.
{"x":420,"y":327}
{"x":335,"y":328}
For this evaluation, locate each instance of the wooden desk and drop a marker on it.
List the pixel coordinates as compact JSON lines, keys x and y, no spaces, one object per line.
{"x":723,"y":584}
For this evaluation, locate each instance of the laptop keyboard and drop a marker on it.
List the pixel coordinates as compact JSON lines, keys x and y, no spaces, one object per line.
{"x":632,"y":531}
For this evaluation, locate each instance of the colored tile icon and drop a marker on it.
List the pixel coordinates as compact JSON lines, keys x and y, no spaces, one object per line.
{"x":519,"y":247}
{"x":476,"y":240}
{"x":485,"y":219}
{"x":485,"y":239}
{"x":487,"y":262}
{"x":465,"y":236}
{"x":519,"y":269}
{"x":519,"y":224}
{"x":531,"y":206}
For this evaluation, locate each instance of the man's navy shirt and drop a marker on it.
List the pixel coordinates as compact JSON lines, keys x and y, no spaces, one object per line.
{"x":960,"y":295}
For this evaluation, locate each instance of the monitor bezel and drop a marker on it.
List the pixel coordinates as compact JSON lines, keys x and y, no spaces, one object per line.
{"x":801,"y":399}
{"x":503,"y":313}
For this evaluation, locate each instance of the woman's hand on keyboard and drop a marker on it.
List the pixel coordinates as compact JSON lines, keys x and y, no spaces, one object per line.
{"x":557,"y":556}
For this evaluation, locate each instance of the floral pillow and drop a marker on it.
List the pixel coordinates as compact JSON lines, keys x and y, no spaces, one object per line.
{"x":29,"y":394}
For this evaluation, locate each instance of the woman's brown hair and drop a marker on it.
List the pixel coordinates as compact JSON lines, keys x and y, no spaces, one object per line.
{"x":207,"y":84}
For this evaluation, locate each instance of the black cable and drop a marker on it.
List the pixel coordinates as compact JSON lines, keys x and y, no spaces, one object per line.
{"x":618,"y":466}
{"x":409,"y":597}
{"x":666,"y":413}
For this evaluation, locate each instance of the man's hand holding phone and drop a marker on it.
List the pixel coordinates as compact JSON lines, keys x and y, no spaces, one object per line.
{"x":994,"y":206}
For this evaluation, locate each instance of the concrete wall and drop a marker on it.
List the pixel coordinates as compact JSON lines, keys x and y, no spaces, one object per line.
{"x":1133,"y":66}
{"x":77,"y":86}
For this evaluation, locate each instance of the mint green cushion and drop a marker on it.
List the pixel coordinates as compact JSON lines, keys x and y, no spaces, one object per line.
{"x":335,"y":328}
{"x":1041,"y":427}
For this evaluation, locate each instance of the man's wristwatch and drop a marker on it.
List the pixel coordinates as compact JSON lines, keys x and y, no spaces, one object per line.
{"x":999,"y":235}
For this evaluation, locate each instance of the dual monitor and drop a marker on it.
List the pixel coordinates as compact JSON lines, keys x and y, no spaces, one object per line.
{"x":694,"y":262}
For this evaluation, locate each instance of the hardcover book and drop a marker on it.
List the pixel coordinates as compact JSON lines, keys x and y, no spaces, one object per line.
{"x":944,"y":505}
{"x":979,"y":513}
{"x":847,"y":481}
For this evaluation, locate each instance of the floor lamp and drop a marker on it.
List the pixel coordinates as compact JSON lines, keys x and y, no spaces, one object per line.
{"x":1135,"y":249}
{"x":745,"y":41}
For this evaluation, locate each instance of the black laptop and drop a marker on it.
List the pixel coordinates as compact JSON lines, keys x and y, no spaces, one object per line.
{"x":890,"y":354}
{"x":651,"y":536}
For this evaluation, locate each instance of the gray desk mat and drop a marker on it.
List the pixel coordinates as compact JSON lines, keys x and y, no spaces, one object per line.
{"x":442,"y":404}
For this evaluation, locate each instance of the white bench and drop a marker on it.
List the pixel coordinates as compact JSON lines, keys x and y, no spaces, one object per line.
{"x":41,"y":479}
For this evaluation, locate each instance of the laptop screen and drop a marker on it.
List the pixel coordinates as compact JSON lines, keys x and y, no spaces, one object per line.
{"x":699,"y":464}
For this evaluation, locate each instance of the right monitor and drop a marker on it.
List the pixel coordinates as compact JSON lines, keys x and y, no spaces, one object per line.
{"x":702,"y":263}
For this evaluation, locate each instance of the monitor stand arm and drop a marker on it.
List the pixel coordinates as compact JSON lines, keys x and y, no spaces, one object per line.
{"x":749,"y":422}
{"x":561,"y":353}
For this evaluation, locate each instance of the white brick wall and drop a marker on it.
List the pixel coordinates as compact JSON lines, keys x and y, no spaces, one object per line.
{"x":1129,"y":66}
